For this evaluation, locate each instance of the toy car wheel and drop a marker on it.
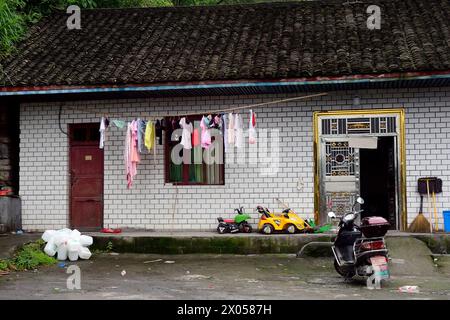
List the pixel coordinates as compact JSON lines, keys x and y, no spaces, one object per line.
{"x":247,"y":228}
{"x":291,"y":229}
{"x":221,"y":229}
{"x":267,"y":229}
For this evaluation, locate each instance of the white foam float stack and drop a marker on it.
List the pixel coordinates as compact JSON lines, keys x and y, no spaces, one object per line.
{"x":66,"y":243}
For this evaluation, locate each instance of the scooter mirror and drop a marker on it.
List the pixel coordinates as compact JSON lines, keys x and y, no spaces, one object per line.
{"x":360,"y":200}
{"x":331,"y":215}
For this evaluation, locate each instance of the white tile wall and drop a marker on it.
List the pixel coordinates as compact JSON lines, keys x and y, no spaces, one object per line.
{"x":151,"y":204}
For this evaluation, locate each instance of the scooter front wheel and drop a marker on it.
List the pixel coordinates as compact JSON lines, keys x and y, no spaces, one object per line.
{"x":345,"y":272}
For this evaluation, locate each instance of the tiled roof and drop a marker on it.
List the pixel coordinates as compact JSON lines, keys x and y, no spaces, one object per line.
{"x":240,"y":42}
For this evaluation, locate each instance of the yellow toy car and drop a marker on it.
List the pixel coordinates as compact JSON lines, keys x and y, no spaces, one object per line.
{"x":288,"y":221}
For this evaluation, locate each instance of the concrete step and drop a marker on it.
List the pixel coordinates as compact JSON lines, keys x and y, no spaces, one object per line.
{"x":203,"y":242}
{"x":410,"y":256}
{"x":254,"y":243}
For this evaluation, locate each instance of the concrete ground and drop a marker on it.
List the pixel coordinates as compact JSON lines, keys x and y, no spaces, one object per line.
{"x":229,"y":276}
{"x":202,"y":276}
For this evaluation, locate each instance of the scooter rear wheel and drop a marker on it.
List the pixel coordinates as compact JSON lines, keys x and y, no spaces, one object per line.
{"x":346,"y":273}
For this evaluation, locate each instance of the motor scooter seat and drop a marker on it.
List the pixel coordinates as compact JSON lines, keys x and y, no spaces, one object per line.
{"x":228,"y":220}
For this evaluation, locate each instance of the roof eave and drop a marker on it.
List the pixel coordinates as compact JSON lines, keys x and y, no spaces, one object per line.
{"x":386,"y":80}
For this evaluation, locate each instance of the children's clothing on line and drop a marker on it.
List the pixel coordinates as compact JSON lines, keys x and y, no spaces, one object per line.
{"x":186,"y":135}
{"x":119,"y":123}
{"x":231,"y":130}
{"x":131,"y":152}
{"x":196,"y":137}
{"x":141,"y":124}
{"x":149,"y":137}
{"x":158,"y":131}
{"x":252,"y":128}
{"x":239,"y":131}
{"x":104,"y":123}
{"x":206,"y":134}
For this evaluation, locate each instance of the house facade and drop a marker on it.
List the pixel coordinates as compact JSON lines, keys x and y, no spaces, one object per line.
{"x":376,"y":119}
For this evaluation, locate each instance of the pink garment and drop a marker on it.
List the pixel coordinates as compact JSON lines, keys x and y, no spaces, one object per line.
{"x":131,"y":154}
{"x":206,"y":134}
{"x":135,"y":157}
{"x":252,"y":128}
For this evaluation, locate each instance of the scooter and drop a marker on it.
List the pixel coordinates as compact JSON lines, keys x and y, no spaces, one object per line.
{"x":238,"y":224}
{"x":360,"y":251}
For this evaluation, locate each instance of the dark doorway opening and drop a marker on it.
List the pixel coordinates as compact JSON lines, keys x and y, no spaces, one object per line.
{"x":377,"y":180}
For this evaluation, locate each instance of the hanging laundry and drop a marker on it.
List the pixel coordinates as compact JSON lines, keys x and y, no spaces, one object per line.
{"x":231,"y":131}
{"x":252,"y":128}
{"x":158,"y":131}
{"x":141,"y":124}
{"x":196,"y":137}
{"x":127,"y":157}
{"x":239,"y":131}
{"x":131,"y":152}
{"x":206,"y":134}
{"x":174,"y":125}
{"x":104,"y":123}
{"x":134,"y":136}
{"x":217,"y":123}
{"x":149,"y":138}
{"x":119,"y":123}
{"x":186,"y":135}
{"x":225,"y":131}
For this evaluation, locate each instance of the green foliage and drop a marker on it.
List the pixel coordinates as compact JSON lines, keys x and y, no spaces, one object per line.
{"x":12,"y":24}
{"x":107,"y":249}
{"x":3,"y":265}
{"x":28,"y":257}
{"x":109,"y":246}
{"x":16,"y":15}
{"x":132,"y":3}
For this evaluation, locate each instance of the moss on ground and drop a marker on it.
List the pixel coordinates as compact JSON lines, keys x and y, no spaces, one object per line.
{"x":28,"y":257}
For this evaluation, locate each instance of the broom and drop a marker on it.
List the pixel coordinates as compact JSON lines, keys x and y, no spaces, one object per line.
{"x":420,"y":224}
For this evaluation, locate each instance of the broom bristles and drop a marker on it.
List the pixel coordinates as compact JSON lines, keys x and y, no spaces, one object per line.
{"x":420,"y":224}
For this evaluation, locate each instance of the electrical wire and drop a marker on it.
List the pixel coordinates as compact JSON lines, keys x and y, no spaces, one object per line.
{"x":59,"y":120}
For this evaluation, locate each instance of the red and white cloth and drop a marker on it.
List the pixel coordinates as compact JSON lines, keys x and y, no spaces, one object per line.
{"x":131,"y":153}
{"x":252,"y":128}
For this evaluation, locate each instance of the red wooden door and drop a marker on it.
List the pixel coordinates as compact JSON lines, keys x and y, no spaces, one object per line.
{"x":86,"y":178}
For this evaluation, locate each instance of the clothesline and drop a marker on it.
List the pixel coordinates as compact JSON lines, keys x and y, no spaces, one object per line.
{"x":140,"y":133}
{"x":181,"y":114}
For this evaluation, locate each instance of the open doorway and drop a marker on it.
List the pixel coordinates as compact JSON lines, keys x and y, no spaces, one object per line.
{"x":377,"y":180}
